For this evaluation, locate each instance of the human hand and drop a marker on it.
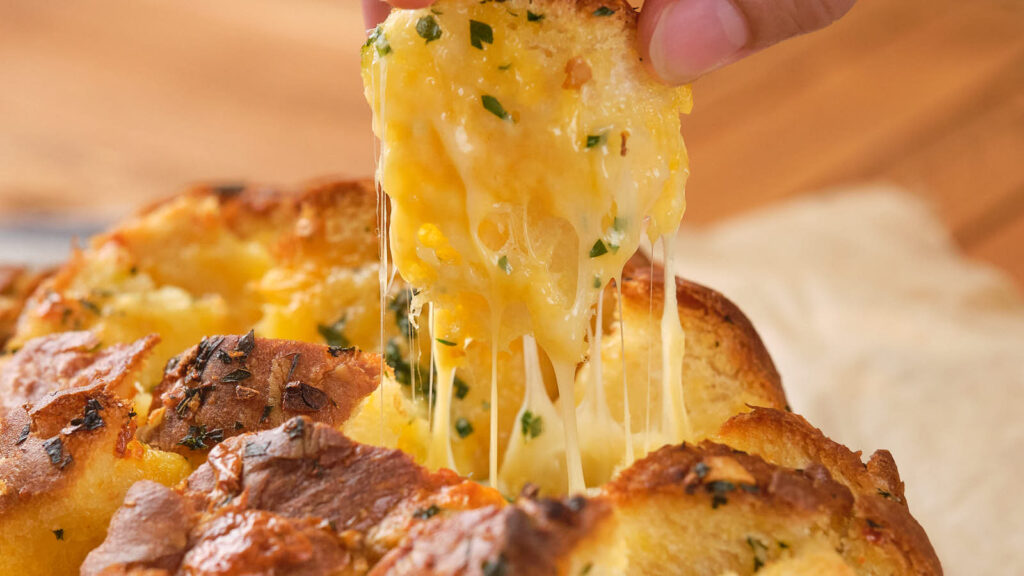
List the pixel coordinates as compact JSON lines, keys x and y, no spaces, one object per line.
{"x":682,"y":40}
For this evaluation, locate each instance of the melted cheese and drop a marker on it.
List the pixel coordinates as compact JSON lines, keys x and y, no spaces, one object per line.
{"x":525,"y":152}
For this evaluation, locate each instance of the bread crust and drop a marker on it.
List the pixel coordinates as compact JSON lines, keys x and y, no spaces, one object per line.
{"x":229,"y":385}
{"x":298,"y":499}
{"x":881,"y":514}
{"x":16,"y":284}
{"x":741,"y":345}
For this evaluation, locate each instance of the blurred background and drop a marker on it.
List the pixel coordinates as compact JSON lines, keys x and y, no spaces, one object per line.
{"x":108,"y":104}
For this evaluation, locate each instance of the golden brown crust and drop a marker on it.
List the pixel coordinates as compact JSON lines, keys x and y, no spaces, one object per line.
{"x":882,"y":517}
{"x":722,"y":476}
{"x":735,"y":338}
{"x":532,"y":537}
{"x":229,"y":385}
{"x":61,"y":400}
{"x":298,"y":499}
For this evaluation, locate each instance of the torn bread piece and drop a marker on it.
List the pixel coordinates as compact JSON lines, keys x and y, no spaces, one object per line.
{"x":16,"y":284}
{"x":298,"y":499}
{"x":229,"y":385}
{"x":67,"y":449}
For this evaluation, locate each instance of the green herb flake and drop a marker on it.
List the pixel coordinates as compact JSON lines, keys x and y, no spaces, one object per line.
{"x":496,"y":567}
{"x":334,"y":334}
{"x":460,"y":388}
{"x":533,"y":16}
{"x":595,"y":140}
{"x":463,"y":427}
{"x":444,"y":342}
{"x":597,"y":282}
{"x":428,"y":28}
{"x":480,"y":33}
{"x":504,"y":265}
{"x":531,"y":424}
{"x":492,"y":105}
{"x":59,"y":533}
{"x":197,"y":438}
{"x":379,"y":41}
{"x":427,"y":513}
{"x":760,"y":552}
{"x":504,"y":67}
{"x":598,"y":249}
{"x":586,"y":569}
{"x":604,"y":11}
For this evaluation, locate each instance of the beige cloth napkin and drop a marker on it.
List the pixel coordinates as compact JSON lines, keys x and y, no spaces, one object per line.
{"x":887,"y":337}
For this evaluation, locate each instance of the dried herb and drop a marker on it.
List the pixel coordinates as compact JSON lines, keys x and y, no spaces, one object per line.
{"x":533,"y":16}
{"x":334,"y":334}
{"x":90,"y":306}
{"x":255,"y":449}
{"x":504,"y":265}
{"x":595,"y":140}
{"x":760,"y":552}
{"x":295,"y":428}
{"x":718,"y":490}
{"x":197,"y":437}
{"x":463,"y":427}
{"x":531,"y":424}
{"x":336,"y":351}
{"x":444,"y":342}
{"x":428,"y":28}
{"x":301,"y":397}
{"x":90,"y":419}
{"x":426,"y":513}
{"x":460,"y":388}
{"x":598,"y":249}
{"x":604,"y":11}
{"x":266,"y":413}
{"x":496,"y":567}
{"x":184,"y":404}
{"x":246,"y":344}
{"x":239,"y":375}
{"x":224,"y":357}
{"x":295,"y":364}
{"x":24,"y":435}
{"x":597,"y":281}
{"x":480,"y":33}
{"x":207,"y":347}
{"x":701,"y":470}
{"x":492,"y":105}
{"x":54,"y":448}
{"x":59,"y":533}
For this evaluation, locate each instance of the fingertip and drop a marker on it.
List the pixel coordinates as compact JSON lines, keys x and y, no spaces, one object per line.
{"x":682,"y":40}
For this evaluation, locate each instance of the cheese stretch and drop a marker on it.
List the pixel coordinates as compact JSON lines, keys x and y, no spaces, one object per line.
{"x":525,"y":153}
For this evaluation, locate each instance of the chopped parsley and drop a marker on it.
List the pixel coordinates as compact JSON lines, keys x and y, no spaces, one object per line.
{"x":197,"y":437}
{"x":719,"y":489}
{"x":604,"y":11}
{"x":597,"y":282}
{"x":444,"y":342}
{"x":428,"y":28}
{"x":595,"y":140}
{"x":54,"y":448}
{"x":461,"y":389}
{"x":480,"y":33}
{"x":701,"y":470}
{"x":427,"y":513}
{"x":504,"y":265}
{"x":760,"y":552}
{"x":531,"y":424}
{"x":59,"y":533}
{"x":24,"y":435}
{"x":598,"y":249}
{"x":334,"y":334}
{"x":492,"y":105}
{"x":463,"y":427}
{"x":533,"y":16}
{"x":379,"y":41}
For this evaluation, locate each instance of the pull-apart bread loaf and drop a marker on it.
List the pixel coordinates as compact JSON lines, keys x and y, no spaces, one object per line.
{"x":218,"y":387}
{"x":290,"y":423}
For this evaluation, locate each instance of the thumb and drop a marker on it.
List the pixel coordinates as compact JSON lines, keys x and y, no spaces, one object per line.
{"x":684,"y":39}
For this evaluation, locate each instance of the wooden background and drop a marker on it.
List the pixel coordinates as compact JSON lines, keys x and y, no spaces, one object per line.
{"x":106,"y":104}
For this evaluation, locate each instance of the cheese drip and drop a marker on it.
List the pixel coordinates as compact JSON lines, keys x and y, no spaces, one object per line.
{"x":524,"y":158}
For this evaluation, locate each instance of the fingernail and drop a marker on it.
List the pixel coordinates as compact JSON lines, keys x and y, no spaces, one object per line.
{"x":693,"y":37}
